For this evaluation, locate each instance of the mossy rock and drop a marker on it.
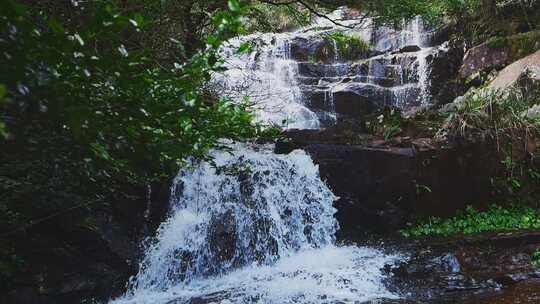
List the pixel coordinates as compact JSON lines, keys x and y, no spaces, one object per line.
{"x":349,"y":46}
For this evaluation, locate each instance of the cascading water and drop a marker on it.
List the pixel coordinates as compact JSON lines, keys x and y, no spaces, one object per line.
{"x":268,"y":77}
{"x":291,"y":78}
{"x":254,"y":227}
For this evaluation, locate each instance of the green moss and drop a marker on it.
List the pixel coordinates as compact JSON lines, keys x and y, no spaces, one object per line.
{"x":471,"y":221}
{"x":520,"y":45}
{"x":349,"y":46}
{"x":497,"y":42}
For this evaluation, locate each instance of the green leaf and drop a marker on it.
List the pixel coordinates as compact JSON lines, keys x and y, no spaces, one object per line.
{"x":234,"y":5}
{"x":244,"y":48}
{"x":3,"y":92}
{"x":55,"y":26}
{"x":3,"y":131}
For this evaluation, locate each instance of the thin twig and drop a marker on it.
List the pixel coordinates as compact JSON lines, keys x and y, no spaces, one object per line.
{"x":309,"y":8}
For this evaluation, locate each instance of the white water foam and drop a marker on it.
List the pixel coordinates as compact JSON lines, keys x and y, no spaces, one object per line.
{"x":327,"y":275}
{"x":254,"y":227}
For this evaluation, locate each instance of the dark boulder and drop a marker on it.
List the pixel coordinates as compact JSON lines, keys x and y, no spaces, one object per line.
{"x":381,"y":189}
{"x":499,"y":52}
{"x":312,"y":49}
{"x":317,"y":99}
{"x":409,"y":49}
{"x":359,"y":99}
{"x":86,"y":254}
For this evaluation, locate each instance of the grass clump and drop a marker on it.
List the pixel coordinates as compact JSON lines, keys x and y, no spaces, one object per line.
{"x":519,"y":45}
{"x":471,"y":221}
{"x":497,"y":42}
{"x":494,"y":114}
{"x":386,"y":125}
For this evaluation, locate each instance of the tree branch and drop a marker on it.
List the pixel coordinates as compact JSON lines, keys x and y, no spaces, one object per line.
{"x":309,"y":8}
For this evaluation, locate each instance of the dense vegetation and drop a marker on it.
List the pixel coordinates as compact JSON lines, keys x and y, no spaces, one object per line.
{"x":93,"y":113}
{"x":471,"y":221}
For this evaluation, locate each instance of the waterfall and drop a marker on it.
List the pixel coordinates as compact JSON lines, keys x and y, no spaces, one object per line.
{"x":254,"y":227}
{"x":423,"y":67}
{"x":268,"y":77}
{"x":251,"y":226}
{"x":291,"y":78}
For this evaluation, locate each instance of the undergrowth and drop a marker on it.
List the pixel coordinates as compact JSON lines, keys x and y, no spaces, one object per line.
{"x":499,"y":115}
{"x":471,"y":221}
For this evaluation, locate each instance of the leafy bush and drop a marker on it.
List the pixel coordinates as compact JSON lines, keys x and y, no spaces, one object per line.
{"x":94,"y":83}
{"x":387,"y":125}
{"x":535,"y":258}
{"x":471,"y":221}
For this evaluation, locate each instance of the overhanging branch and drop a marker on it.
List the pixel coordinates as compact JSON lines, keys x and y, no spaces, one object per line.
{"x":309,"y":8}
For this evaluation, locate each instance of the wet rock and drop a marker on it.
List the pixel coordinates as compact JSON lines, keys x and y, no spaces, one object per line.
{"x":222,"y":237}
{"x":444,"y":270}
{"x":358,"y":99}
{"x":308,"y":69}
{"x":444,"y":68}
{"x":319,"y":99}
{"x":409,"y":49}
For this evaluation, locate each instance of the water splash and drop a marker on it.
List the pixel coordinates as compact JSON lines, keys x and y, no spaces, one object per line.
{"x":327,"y":275}
{"x":254,"y":227}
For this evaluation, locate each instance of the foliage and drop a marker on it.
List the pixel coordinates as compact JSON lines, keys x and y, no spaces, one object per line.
{"x":471,"y":221}
{"x":349,"y":46}
{"x":535,"y":258}
{"x":519,"y":45}
{"x":501,"y":118}
{"x":495,"y":114}
{"x":93,"y":112}
{"x":134,"y":117}
{"x":264,"y":17}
